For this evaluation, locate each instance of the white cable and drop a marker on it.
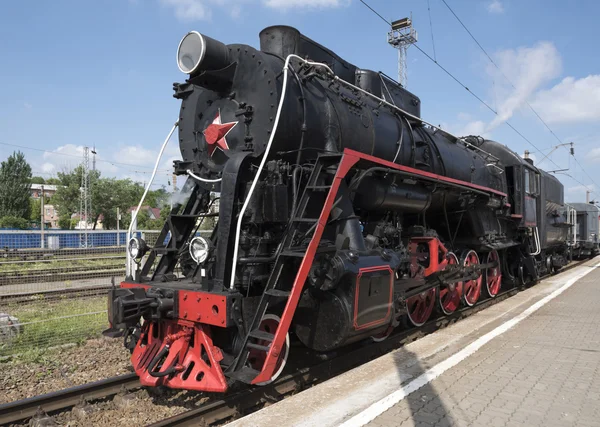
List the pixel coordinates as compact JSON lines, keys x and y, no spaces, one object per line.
{"x":134,"y":217}
{"x":199,"y":178}
{"x":272,"y":136}
{"x":393,"y":106}
{"x":238,"y":228}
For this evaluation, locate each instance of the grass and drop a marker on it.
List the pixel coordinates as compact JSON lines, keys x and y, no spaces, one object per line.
{"x":49,"y":324}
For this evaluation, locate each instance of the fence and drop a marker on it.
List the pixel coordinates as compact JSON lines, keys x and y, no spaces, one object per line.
{"x":57,"y":294}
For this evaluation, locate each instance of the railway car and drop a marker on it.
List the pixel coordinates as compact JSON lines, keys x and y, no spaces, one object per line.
{"x":342,"y":215}
{"x":586,"y":242}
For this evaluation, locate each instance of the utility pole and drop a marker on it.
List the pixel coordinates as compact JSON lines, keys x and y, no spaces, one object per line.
{"x":42,"y":219}
{"x":94,"y":158}
{"x":118,"y":230}
{"x":85,"y":201}
{"x":587,"y":196}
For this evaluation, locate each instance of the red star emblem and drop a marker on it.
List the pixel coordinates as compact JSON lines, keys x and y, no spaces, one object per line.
{"x":215,"y":134}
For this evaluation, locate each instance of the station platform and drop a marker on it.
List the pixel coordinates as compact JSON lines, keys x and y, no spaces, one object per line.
{"x":532,"y":360}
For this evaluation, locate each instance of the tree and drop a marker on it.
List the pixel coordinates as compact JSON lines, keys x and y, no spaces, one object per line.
{"x":35,"y":212}
{"x":15,"y":186}
{"x":64,"y":222}
{"x":37,"y":180}
{"x":14,"y":222}
{"x":53,"y":181}
{"x":67,"y":196}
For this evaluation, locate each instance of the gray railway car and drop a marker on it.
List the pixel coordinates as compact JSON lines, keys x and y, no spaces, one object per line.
{"x":587,"y":229}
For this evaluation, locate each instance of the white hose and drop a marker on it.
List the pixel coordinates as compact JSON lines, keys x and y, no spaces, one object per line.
{"x":135,"y":213}
{"x":199,"y":178}
{"x":272,"y":136}
{"x":238,"y":228}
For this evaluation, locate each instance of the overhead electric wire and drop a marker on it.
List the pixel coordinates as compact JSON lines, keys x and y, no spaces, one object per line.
{"x":74,"y":155}
{"x":431,"y":29}
{"x":469,"y":90}
{"x":513,"y":86}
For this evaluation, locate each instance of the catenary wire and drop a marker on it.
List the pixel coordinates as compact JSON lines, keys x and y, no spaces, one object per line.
{"x":471,"y":92}
{"x":513,"y":86}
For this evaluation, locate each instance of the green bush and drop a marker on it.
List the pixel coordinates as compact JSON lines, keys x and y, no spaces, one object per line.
{"x":14,"y":222}
{"x":64,"y":222}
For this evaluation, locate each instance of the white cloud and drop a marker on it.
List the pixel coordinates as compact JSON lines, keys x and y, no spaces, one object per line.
{"x":476,"y":127}
{"x":307,"y":4}
{"x":48,"y":168}
{"x":201,"y":10}
{"x":189,"y":10}
{"x":464,"y":116}
{"x":69,"y":156}
{"x":495,"y":6}
{"x":570,"y":101}
{"x":577,"y":193}
{"x":528,"y":68}
{"x":135,"y":155}
{"x":593,"y":155}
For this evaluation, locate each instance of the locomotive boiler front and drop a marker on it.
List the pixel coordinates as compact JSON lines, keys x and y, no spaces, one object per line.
{"x":230,"y":101}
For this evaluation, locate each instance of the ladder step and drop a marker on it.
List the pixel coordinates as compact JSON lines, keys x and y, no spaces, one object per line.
{"x":277,"y":293}
{"x":258,"y":346}
{"x":261,"y":335}
{"x":293,"y":254}
{"x":310,"y":220}
{"x":245,"y":375}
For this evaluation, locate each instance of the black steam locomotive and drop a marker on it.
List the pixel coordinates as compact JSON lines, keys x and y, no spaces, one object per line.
{"x":341,"y":214}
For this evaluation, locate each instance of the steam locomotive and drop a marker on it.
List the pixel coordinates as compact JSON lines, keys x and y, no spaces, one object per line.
{"x":342,"y":215}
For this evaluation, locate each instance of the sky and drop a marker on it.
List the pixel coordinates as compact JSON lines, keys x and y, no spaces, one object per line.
{"x":77,"y":73}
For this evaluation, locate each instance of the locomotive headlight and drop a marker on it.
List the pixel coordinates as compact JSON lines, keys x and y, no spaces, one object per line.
{"x":190,"y":52}
{"x":197,"y":52}
{"x":137,"y":248}
{"x":199,"y":249}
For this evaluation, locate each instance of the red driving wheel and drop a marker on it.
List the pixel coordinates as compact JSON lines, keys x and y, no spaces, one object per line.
{"x":450,"y":294}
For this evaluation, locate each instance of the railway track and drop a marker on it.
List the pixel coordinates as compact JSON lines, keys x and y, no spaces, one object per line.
{"x":60,"y":274}
{"x":314,"y":370}
{"x":55,"y":294}
{"x":21,"y":410}
{"x":41,"y":254}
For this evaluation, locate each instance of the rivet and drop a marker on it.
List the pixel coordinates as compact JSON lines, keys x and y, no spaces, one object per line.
{"x":185,"y":296}
{"x":185,"y":315}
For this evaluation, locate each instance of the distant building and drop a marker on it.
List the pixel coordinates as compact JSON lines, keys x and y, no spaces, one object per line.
{"x":81,"y":222}
{"x":50,"y":216}
{"x":153,"y":213}
{"x":49,"y":190}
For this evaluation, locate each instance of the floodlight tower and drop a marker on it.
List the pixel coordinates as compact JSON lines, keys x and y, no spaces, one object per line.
{"x":401,"y":36}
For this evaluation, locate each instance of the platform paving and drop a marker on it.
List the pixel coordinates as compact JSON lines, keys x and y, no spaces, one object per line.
{"x":543,"y":372}
{"x":541,"y":369}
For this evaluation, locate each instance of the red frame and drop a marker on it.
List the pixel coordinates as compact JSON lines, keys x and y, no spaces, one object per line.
{"x":435,"y":246}
{"x":211,"y":377}
{"x":349,"y":159}
{"x":203,"y":307}
{"x":196,"y":306}
{"x":361,"y":271}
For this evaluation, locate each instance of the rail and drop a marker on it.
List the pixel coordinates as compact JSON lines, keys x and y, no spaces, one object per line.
{"x":21,"y":410}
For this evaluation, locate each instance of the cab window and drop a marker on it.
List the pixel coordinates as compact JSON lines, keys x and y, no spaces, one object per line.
{"x":531,"y":182}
